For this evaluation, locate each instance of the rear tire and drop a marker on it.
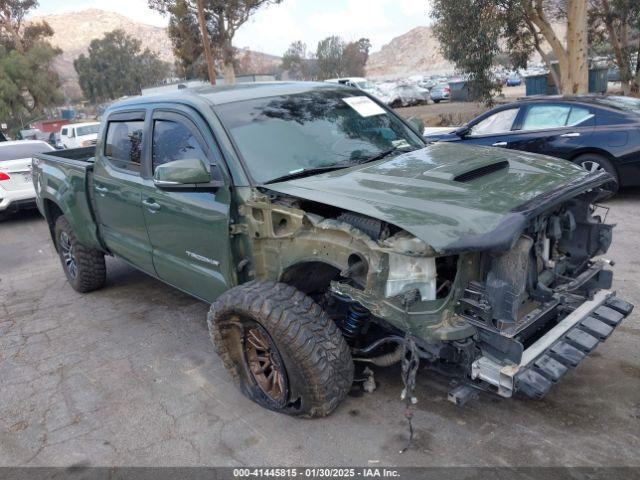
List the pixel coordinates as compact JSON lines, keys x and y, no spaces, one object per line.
{"x":592,"y":162}
{"x":84,"y":267}
{"x":266,"y":329}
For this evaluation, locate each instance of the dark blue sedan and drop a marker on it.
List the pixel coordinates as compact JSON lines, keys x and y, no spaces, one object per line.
{"x":598,"y":132}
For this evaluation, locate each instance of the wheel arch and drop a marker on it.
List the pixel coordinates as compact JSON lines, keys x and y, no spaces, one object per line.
{"x":52,"y":212}
{"x":595,"y":151}
{"x":310,"y":275}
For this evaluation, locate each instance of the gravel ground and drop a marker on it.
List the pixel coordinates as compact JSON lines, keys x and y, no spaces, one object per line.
{"x":127,"y":376}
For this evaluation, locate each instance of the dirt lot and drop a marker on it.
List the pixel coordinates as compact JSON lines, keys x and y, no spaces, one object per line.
{"x":445,"y":114}
{"x":127,"y":376}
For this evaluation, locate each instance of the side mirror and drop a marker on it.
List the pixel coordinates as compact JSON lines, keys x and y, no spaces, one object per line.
{"x":178,"y":173}
{"x":417,"y":124}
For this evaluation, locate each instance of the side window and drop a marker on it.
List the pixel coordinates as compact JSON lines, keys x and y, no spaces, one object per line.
{"x":540,"y":117}
{"x":499,"y":122}
{"x":63,"y":132}
{"x":579,"y":115}
{"x":123,"y":146}
{"x":174,"y":141}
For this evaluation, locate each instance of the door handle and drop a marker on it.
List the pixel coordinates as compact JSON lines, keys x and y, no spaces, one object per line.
{"x":102,"y":190}
{"x":151,"y":205}
{"x":570,"y":135}
{"x":499,"y":144}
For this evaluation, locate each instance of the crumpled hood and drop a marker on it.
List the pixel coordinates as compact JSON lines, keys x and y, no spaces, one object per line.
{"x":441,"y":193}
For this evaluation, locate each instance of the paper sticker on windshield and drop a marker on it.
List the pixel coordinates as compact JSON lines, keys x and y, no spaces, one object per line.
{"x":364,"y":106}
{"x":401,"y":143}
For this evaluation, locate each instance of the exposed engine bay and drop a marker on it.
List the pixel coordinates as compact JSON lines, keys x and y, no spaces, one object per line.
{"x":470,"y":314}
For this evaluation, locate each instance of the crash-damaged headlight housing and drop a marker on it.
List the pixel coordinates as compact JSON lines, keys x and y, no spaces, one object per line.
{"x":408,"y":273}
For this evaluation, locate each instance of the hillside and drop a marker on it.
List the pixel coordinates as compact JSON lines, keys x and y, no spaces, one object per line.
{"x":418,"y":52}
{"x":75,"y":30}
{"x":414,"y":52}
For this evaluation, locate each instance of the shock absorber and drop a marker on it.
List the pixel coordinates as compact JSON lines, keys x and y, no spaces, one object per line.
{"x":357,"y":317}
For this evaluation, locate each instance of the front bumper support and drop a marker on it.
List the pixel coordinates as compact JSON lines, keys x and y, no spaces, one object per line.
{"x":561,"y":348}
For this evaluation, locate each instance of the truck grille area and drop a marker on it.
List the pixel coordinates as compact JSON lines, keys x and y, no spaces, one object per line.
{"x":537,"y":378}
{"x":548,"y":272}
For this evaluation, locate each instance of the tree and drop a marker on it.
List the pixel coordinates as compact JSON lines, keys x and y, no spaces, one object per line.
{"x":473,"y":32}
{"x":355,"y":56}
{"x":12,"y":14}
{"x":28,"y":82}
{"x":115,"y":67}
{"x":219,"y":20}
{"x":329,"y":55}
{"x":612,"y":23}
{"x":296,"y":62}
{"x":183,"y":30}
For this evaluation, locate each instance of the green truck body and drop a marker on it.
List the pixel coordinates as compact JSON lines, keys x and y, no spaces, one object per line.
{"x":468,"y":255}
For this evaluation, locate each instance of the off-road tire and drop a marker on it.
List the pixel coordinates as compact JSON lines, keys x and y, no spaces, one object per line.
{"x":91,"y":269}
{"x":316,"y":358}
{"x":606,"y":165}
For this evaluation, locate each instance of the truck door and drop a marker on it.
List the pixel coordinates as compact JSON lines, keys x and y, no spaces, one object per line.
{"x":189,"y":230}
{"x":118,"y":184}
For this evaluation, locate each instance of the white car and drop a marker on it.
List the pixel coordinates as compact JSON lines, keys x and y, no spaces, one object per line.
{"x":77,"y":135}
{"x":16,"y":184}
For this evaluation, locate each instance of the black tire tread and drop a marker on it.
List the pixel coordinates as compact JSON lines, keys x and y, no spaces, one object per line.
{"x":92,"y":270}
{"x":299,"y":326}
{"x":605,"y":163}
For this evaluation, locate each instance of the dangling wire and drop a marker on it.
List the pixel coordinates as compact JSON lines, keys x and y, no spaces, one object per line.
{"x":410,"y":364}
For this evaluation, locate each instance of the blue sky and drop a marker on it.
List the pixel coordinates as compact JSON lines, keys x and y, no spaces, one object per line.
{"x":273,"y":28}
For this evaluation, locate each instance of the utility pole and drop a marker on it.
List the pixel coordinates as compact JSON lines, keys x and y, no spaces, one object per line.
{"x":207,"y":44}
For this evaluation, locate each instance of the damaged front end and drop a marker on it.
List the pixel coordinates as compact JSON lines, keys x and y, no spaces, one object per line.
{"x":543,"y":305}
{"x":511,"y":310}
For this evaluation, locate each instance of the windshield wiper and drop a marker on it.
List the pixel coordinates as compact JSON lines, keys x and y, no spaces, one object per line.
{"x":305,"y":172}
{"x":383,"y":154}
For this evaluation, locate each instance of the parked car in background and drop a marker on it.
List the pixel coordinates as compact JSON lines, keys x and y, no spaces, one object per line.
{"x":356,"y":82}
{"x":597,"y":132}
{"x":513,"y":80}
{"x":16,"y":185}
{"x":407,"y":94}
{"x":79,"y":135}
{"x":440,"y":92}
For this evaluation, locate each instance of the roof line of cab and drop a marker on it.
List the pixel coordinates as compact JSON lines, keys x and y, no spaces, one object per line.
{"x":219,"y":95}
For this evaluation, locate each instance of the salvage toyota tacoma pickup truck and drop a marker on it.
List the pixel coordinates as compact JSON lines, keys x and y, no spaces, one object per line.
{"x":327,"y":233}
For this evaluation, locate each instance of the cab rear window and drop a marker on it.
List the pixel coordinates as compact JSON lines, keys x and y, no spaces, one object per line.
{"x":123,"y":146}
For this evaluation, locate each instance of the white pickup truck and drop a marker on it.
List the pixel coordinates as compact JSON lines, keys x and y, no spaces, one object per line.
{"x":77,"y":135}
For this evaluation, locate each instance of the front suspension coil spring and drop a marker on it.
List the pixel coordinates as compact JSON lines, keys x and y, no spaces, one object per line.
{"x":356,"y":318}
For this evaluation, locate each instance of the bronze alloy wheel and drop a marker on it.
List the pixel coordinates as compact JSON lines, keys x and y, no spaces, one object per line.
{"x":265,"y":363}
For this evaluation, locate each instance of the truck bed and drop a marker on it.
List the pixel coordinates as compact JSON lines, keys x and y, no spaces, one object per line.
{"x":85,"y":154}
{"x":63,"y":181}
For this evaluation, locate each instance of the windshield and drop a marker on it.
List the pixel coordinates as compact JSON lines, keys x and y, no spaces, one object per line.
{"x":624,"y":103}
{"x":88,"y":130}
{"x":24,"y":150}
{"x":281,"y":135}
